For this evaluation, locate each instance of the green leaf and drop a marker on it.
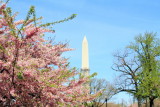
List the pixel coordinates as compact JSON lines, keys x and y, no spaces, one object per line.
{"x":1,"y":47}
{"x":20,"y":75}
{"x":60,"y":21}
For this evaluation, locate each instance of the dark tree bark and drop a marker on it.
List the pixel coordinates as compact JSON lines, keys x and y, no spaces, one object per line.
{"x":139,"y":102}
{"x":151,"y":102}
{"x":106,"y":102}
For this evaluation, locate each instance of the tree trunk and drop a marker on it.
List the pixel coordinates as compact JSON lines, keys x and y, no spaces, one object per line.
{"x":139,"y":102}
{"x":106,"y":102}
{"x":151,"y":102}
{"x":146,"y":103}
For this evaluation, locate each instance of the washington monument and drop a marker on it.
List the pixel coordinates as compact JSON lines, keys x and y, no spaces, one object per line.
{"x":85,"y":58}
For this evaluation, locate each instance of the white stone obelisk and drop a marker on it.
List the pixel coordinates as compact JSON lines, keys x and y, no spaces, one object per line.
{"x":85,"y":58}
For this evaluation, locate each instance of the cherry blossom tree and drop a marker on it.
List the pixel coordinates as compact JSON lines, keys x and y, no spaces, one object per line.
{"x":32,"y":70}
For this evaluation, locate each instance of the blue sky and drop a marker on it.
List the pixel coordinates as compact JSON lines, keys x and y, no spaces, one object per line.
{"x":109,"y":25}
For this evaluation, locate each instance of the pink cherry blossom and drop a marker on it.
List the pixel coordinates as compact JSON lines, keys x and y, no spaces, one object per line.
{"x":33,"y":72}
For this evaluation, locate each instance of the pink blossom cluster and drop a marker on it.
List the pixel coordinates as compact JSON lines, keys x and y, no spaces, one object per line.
{"x":32,"y":71}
